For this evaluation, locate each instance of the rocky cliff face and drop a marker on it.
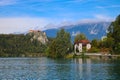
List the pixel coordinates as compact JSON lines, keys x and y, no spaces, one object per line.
{"x":39,"y":36}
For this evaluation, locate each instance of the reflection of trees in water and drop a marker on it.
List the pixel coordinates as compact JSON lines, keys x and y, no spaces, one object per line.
{"x":61,"y":69}
{"x":114,"y":69}
{"x":83,"y":68}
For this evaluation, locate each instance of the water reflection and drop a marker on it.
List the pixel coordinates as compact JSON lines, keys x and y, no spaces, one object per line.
{"x":83,"y":66}
{"x":114,"y":70}
{"x":61,"y":69}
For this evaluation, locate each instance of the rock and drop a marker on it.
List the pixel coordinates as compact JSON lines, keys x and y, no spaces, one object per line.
{"x":39,"y":36}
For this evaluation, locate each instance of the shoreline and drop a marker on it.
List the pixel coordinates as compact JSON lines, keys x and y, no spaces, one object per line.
{"x":86,"y":55}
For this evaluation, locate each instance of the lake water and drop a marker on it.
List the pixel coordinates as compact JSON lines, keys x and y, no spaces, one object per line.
{"x":61,"y":69}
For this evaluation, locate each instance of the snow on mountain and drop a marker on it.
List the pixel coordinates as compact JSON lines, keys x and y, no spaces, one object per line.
{"x":93,"y":30}
{"x":75,"y":33}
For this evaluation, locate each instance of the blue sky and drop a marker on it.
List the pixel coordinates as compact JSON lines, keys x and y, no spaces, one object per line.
{"x":21,"y":15}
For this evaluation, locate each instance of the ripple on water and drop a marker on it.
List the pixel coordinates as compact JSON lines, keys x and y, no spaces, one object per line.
{"x":62,"y":69}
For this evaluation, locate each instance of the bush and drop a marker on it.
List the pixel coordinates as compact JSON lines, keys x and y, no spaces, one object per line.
{"x":94,"y":50}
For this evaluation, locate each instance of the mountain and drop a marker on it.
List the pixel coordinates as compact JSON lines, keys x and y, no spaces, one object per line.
{"x":93,"y":30}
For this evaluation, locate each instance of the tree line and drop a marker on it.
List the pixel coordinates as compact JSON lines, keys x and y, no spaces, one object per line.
{"x":19,"y":45}
{"x":61,"y":45}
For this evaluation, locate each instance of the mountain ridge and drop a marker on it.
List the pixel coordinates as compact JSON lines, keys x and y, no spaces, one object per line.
{"x":93,"y":30}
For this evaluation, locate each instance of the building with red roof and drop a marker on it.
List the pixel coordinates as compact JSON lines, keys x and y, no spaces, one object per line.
{"x":78,"y":45}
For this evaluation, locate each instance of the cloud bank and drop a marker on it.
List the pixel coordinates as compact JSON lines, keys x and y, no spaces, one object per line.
{"x":7,"y":2}
{"x":10,"y":25}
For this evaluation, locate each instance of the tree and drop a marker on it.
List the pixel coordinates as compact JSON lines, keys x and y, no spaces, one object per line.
{"x":20,"y":44}
{"x":60,"y":46}
{"x":80,"y":36}
{"x":114,"y":35}
{"x":95,"y":43}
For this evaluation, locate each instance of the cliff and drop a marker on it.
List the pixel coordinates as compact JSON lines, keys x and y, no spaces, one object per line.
{"x":38,"y":35}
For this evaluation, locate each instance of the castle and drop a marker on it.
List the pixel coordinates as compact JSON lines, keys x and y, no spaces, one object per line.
{"x":38,"y":35}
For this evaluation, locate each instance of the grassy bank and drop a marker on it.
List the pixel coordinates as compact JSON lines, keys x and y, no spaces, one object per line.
{"x":76,"y":56}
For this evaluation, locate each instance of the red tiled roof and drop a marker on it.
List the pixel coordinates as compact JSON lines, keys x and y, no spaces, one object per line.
{"x":84,"y":42}
{"x":34,"y":30}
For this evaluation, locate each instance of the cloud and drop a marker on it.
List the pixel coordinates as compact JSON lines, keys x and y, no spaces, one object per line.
{"x":87,"y":21}
{"x":10,"y":25}
{"x":7,"y":2}
{"x":103,"y":17}
{"x":75,"y":1}
{"x":112,"y":6}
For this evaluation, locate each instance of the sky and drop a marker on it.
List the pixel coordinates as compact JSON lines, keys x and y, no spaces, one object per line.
{"x":22,"y":15}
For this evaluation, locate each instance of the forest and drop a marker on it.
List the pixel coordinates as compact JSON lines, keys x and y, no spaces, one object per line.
{"x":20,"y":45}
{"x":12,"y":45}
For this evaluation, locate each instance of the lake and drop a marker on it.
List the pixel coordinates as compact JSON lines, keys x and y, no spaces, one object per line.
{"x":61,"y":69}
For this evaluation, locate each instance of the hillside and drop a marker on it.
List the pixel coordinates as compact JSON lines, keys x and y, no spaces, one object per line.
{"x":31,"y":44}
{"x":93,"y":30}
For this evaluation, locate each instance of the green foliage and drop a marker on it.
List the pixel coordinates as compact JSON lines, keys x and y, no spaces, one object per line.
{"x":107,"y":42}
{"x":111,"y":43}
{"x":69,"y":56}
{"x":95,"y":43}
{"x":102,"y":45}
{"x":94,"y":50}
{"x":60,"y":46}
{"x":114,"y":35}
{"x":80,"y":36}
{"x":17,"y":45}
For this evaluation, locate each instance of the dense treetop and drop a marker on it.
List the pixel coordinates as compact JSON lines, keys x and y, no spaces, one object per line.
{"x":60,"y":46}
{"x":16,"y":45}
{"x":114,"y":35}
